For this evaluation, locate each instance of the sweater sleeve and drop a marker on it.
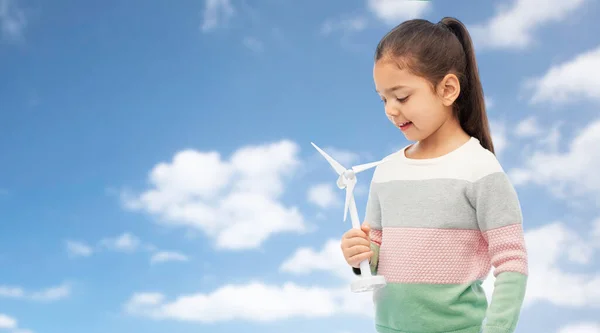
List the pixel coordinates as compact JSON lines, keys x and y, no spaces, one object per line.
{"x":373,"y":217}
{"x":500,"y":221}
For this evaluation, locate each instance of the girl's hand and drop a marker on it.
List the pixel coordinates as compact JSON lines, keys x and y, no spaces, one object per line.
{"x":356,"y":245}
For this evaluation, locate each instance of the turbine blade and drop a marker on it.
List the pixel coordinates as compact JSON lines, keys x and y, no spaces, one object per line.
{"x":366,"y":166}
{"x":339,"y":169}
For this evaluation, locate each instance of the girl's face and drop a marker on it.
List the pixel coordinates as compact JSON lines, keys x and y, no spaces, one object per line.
{"x":410,"y":102}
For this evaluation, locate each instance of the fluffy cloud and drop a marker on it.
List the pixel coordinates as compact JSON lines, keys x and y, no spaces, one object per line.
{"x":549,"y":247}
{"x":216,"y":12}
{"x":514,"y":25}
{"x":235,"y":202}
{"x":528,"y":127}
{"x":329,"y":259}
{"x":10,"y":324}
{"x":7,"y":322}
{"x":566,"y":174}
{"x":323,"y":195}
{"x":393,"y":12}
{"x":577,"y":78}
{"x":46,"y":295}
{"x":254,"y":301}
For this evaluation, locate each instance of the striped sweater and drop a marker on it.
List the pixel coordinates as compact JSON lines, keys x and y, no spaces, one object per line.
{"x":438,"y":226}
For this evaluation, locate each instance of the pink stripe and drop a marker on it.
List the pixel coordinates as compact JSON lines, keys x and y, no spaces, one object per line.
{"x":507,"y":249}
{"x":375,"y":236}
{"x":419,"y":255}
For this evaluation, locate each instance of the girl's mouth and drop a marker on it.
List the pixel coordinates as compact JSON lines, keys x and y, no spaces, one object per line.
{"x":405,"y":125}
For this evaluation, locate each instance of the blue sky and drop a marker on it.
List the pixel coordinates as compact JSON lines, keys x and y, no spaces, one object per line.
{"x":157,"y":172}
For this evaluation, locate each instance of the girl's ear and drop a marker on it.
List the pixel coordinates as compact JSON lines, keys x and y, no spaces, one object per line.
{"x":449,"y":89}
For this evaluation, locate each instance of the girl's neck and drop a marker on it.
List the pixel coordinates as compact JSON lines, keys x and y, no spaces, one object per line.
{"x":445,"y":139}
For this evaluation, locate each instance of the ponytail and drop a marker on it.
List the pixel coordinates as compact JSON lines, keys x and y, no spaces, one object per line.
{"x":470,"y":106}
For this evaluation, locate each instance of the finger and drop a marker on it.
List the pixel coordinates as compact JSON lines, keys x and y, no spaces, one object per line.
{"x":357,"y":250}
{"x":357,"y":259}
{"x":356,"y":241}
{"x":355,"y":233}
{"x":366,"y":228}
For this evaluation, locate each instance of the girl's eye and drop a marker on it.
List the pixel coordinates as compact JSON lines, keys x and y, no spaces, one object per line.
{"x":402,"y":100}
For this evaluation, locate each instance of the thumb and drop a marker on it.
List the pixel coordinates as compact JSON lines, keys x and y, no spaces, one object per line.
{"x":366,"y":227}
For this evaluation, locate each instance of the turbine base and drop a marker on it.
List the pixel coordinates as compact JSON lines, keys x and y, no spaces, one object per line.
{"x":370,"y":283}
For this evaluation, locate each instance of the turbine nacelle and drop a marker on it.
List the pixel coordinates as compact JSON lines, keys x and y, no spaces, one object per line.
{"x":347,"y":177}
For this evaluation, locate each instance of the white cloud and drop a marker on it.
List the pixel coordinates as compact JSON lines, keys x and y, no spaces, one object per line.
{"x":46,"y":295}
{"x":215,"y":13}
{"x":344,"y":24}
{"x":528,"y":127}
{"x":514,"y":24}
{"x":548,"y":246}
{"x":125,"y":242}
{"x":165,"y":256}
{"x":7,"y":322}
{"x":578,"y":78}
{"x":583,"y":327}
{"x":323,"y":195}
{"x":393,"y":11}
{"x":329,"y":259}
{"x":254,"y":301}
{"x":12,"y":20}
{"x":253,"y":44}
{"x":10,"y":324}
{"x":566,"y":174}
{"x":235,"y":202}
{"x":499,"y":138}
{"x":78,"y":249}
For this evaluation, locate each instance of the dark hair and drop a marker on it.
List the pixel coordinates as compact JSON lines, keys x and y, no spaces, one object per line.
{"x":433,"y":50}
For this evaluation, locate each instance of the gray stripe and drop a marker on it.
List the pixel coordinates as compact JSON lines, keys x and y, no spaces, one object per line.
{"x":485,"y":204}
{"x":431,"y":203}
{"x":496,"y":201}
{"x":373,"y":210}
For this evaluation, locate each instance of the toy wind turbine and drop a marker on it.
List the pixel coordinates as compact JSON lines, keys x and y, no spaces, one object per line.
{"x":347,"y":180}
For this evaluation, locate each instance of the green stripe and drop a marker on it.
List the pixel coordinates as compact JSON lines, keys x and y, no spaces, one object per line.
{"x":429,"y":308}
{"x":374,"y":258}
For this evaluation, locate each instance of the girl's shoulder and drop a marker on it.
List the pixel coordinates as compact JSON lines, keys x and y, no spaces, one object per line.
{"x":482,"y":162}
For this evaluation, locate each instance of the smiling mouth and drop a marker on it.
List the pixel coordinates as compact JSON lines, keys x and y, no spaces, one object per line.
{"x":404,"y":125}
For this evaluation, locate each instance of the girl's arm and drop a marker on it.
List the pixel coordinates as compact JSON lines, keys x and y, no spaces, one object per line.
{"x":501,"y":223}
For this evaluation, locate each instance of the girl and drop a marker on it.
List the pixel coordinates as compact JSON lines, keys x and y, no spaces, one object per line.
{"x":441,"y":211}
